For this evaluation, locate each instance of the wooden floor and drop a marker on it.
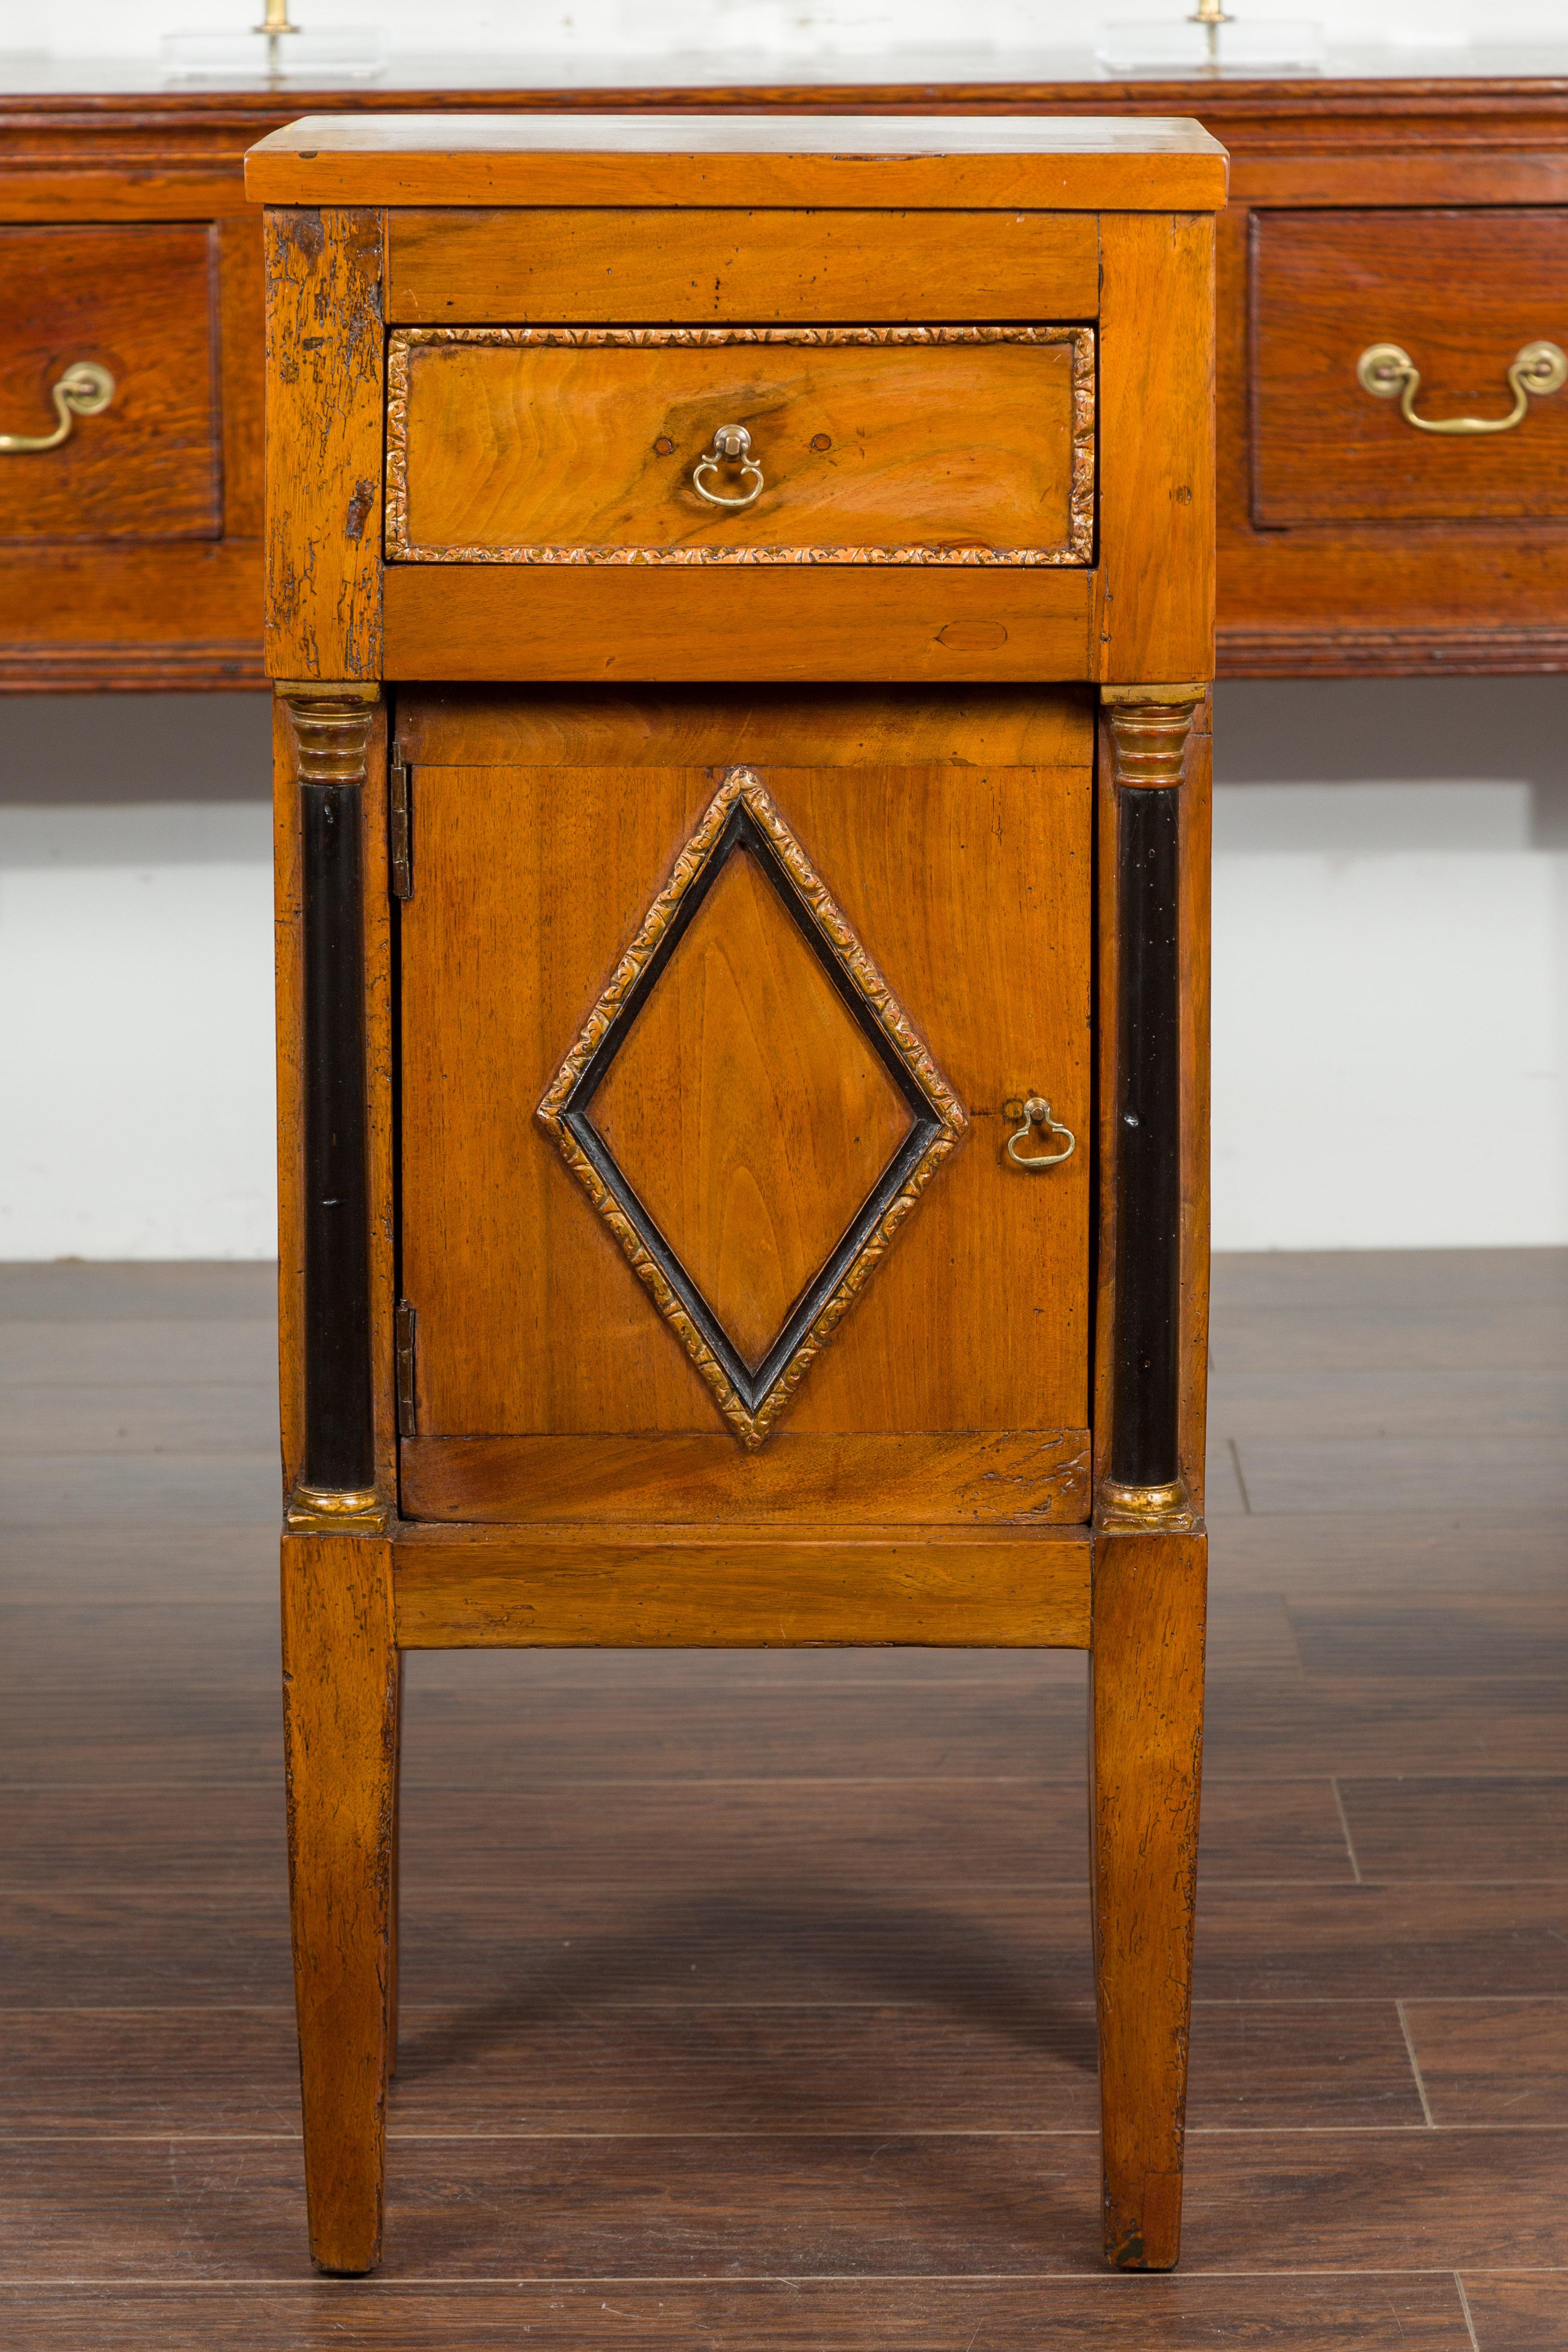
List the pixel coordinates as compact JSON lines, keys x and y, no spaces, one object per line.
{"x":747,"y":1997}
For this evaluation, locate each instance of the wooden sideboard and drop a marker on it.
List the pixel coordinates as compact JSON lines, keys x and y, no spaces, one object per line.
{"x":1430,"y":212}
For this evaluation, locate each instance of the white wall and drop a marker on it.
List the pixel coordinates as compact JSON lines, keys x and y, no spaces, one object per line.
{"x":1391,"y":970}
{"x":1391,"y":964}
{"x":135,"y":943}
{"x":758,"y":28}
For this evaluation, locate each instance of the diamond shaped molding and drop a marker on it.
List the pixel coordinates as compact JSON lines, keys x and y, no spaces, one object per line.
{"x":742,"y":817}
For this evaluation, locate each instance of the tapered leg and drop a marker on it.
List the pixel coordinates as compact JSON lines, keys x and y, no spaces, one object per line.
{"x":393,"y":1916}
{"x":340,"y":1694}
{"x":1146,"y":1741}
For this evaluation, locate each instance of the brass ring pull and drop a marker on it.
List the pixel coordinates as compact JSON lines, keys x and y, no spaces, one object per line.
{"x":1385,"y":371}
{"x":1037,"y":1113}
{"x":731,"y":446}
{"x":85,"y":390}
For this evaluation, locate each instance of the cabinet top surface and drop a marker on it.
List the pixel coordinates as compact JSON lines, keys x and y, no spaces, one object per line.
{"x":1131,"y":162}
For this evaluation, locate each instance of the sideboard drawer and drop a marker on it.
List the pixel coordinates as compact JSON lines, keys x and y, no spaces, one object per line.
{"x":968,"y":444}
{"x":137,"y":303}
{"x":1462,"y":295}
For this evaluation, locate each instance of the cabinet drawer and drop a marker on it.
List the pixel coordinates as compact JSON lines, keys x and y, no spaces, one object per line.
{"x":138,"y":301}
{"x":1461,"y":293}
{"x":949,"y":444}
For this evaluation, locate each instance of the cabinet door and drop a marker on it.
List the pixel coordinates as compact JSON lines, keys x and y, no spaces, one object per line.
{"x":711,"y":1014}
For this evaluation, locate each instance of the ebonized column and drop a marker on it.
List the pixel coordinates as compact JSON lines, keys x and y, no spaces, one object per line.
{"x":337,"y":1486}
{"x":1144,"y":1488}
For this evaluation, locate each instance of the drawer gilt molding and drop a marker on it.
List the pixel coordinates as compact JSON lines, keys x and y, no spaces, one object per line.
{"x":1077,"y":549}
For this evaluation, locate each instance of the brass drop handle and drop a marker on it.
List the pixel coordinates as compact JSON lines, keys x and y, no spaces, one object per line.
{"x":1037,"y":1113}
{"x":1387,"y":371}
{"x":731,"y":446}
{"x":85,"y":390}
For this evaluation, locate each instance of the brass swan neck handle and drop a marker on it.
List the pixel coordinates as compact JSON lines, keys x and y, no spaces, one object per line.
{"x":85,"y":390}
{"x":1388,"y":372}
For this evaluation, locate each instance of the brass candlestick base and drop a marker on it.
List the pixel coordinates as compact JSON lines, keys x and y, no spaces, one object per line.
{"x":275,"y":24}
{"x":1210,"y":41}
{"x":277,"y":51}
{"x":1210,"y":16}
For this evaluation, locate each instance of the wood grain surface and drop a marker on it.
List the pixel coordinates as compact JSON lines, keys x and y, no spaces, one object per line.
{"x":943,"y":623}
{"x":242,"y":301}
{"x":706,"y":2067}
{"x":1489,"y":2063}
{"x":756,"y":268}
{"x":684,"y":2208}
{"x":721,"y":725}
{"x":748,"y":1111}
{"x":688,"y":1586}
{"x":973,"y":1475}
{"x":340,"y":1686}
{"x":326,"y":365}
{"x":1459,"y":292}
{"x":1146,"y":1751}
{"x":1413,"y":2316}
{"x":1341,"y":596}
{"x":684,"y":1837}
{"x":140,"y":301}
{"x":1156,"y":582}
{"x":1104,"y":162}
{"x":77,"y":619}
{"x":499,"y":1243}
{"x":952,"y":447}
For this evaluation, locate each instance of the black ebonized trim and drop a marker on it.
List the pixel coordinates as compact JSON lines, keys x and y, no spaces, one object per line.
{"x":751,"y":1383}
{"x":1148,"y":1140}
{"x":339,"y":1449}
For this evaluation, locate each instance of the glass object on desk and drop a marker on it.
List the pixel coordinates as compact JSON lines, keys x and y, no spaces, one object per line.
{"x":1209,"y":41}
{"x":276,"y":50}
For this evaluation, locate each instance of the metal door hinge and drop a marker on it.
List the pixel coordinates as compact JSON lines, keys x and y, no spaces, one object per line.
{"x":400,"y":829}
{"x":407,"y":1393}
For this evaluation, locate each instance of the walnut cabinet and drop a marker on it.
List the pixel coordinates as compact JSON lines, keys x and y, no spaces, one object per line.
{"x":740,"y":596}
